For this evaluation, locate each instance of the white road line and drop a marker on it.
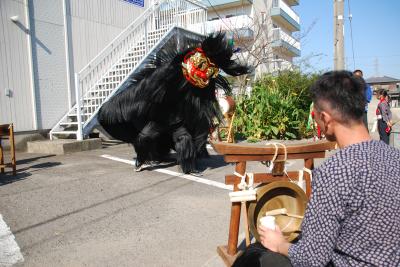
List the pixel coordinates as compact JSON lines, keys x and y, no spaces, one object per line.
{"x":177,"y":174}
{"x":10,"y":252}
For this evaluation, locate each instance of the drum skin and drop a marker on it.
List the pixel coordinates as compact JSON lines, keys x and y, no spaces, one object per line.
{"x":277,"y":195}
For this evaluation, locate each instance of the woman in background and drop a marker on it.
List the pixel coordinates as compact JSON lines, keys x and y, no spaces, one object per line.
{"x":384,"y":117}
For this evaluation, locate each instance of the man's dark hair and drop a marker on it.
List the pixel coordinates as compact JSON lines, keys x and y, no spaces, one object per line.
{"x":383,"y":93}
{"x":343,"y":92}
{"x":358,"y":70}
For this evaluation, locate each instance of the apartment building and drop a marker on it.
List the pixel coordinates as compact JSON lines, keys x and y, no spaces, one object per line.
{"x":261,"y":30}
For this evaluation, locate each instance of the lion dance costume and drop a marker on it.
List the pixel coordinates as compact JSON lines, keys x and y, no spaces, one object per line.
{"x":171,"y":104}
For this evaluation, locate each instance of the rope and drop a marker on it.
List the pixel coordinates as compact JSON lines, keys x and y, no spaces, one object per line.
{"x":243,"y":185}
{"x":276,"y":150}
{"x":247,"y":192}
{"x":268,"y":163}
{"x":301,"y":181}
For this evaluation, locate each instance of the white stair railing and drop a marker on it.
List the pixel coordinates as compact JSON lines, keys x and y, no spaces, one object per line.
{"x":110,"y":68}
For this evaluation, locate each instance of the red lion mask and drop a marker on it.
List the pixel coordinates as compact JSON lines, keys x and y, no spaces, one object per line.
{"x":198,"y":69}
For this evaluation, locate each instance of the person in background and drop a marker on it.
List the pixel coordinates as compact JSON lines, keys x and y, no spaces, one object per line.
{"x":353,"y":215}
{"x":368,"y":96}
{"x":384,"y":117}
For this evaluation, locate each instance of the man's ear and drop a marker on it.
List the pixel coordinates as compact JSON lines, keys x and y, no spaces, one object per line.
{"x":326,"y":119}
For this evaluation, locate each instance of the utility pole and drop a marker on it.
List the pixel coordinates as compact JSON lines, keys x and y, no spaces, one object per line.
{"x":338,"y":32}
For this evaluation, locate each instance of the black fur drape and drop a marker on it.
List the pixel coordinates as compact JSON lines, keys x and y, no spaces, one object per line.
{"x":160,"y":110}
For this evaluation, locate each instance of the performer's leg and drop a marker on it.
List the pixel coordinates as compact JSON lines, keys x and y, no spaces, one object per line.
{"x":200,"y":135}
{"x":164,"y":147}
{"x":185,"y":149}
{"x":200,"y":143}
{"x":146,"y":144}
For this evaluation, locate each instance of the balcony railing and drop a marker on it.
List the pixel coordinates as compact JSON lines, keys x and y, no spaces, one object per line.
{"x":293,"y":2}
{"x":287,"y":9}
{"x":282,"y":39}
{"x":229,"y":24}
{"x":284,"y":16}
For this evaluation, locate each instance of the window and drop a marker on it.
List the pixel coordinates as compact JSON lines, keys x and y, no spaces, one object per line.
{"x":263,"y":17}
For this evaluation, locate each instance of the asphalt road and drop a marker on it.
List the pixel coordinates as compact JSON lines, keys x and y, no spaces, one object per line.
{"x":84,"y":209}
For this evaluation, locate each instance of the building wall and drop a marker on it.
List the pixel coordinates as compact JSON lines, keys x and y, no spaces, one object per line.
{"x":95,"y":23}
{"x":223,"y":12}
{"x":14,"y":67}
{"x":49,"y":60}
{"x":92,"y":25}
{"x":392,"y":87}
{"x":278,"y":60}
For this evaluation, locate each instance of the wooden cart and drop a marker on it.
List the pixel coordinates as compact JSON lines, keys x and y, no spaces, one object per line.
{"x":7,"y":132}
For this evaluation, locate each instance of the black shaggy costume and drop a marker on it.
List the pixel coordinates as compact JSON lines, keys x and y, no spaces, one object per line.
{"x":161,"y":110}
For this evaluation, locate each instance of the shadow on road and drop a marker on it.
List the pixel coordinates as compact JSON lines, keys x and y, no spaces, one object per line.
{"x":8,"y":177}
{"x":211,"y":162}
{"x":28,"y":160}
{"x":26,"y":171}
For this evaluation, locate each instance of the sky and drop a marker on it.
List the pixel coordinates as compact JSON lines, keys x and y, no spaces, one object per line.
{"x":376,"y":36}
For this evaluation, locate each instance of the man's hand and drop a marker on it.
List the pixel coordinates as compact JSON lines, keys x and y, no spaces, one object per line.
{"x":273,"y":240}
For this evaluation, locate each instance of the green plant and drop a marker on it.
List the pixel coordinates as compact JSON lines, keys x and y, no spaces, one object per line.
{"x":277,"y":108}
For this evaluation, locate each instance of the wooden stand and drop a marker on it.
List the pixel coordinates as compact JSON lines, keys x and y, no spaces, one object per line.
{"x":7,"y":132}
{"x":227,"y":129}
{"x":240,"y":154}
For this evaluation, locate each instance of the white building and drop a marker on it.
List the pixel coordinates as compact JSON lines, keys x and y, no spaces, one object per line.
{"x":51,"y":49}
{"x":262,"y":28}
{"x":42,"y":44}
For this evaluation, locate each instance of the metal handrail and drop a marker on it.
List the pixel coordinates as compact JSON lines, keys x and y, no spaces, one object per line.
{"x":103,"y":53}
{"x":135,"y":41}
{"x":120,"y":37}
{"x":117,"y":45}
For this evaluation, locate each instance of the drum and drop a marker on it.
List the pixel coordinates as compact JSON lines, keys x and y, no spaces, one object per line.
{"x":278,"y":195}
{"x":226,"y":104}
